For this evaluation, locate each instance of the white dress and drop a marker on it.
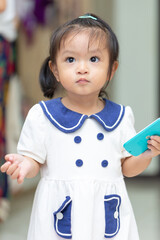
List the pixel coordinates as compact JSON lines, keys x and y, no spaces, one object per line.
{"x":81,"y":194}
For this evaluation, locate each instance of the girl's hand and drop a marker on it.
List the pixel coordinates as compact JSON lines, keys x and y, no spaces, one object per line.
{"x":154,"y":145}
{"x":17,"y":166}
{"x":132,"y":166}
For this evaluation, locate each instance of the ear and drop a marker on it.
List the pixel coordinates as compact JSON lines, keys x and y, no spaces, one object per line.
{"x":114,"y":69}
{"x":54,"y":69}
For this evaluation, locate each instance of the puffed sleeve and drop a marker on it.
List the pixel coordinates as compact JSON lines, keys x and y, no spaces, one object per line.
{"x":128,"y":130}
{"x":32,"y":138}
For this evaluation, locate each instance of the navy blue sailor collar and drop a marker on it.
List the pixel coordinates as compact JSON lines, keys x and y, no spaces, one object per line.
{"x":69,"y":121}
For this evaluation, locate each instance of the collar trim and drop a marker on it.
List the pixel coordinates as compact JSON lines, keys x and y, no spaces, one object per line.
{"x":57,"y":124}
{"x":68,"y":121}
{"x":115,"y":124}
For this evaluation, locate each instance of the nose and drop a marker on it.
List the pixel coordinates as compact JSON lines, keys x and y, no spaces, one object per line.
{"x":82,"y":67}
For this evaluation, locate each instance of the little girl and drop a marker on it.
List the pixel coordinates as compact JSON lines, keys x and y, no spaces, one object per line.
{"x":77,"y":141}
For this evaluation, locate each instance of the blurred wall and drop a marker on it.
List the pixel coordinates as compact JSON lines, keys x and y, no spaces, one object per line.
{"x":136,"y":83}
{"x":30,"y":58}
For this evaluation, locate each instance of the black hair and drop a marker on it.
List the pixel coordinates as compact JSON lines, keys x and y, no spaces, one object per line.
{"x":97,"y":26}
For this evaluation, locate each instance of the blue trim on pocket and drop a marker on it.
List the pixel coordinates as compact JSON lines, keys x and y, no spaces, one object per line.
{"x":112,"y":204}
{"x":62,"y":219}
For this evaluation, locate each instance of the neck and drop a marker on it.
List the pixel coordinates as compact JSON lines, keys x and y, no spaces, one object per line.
{"x":87,"y":105}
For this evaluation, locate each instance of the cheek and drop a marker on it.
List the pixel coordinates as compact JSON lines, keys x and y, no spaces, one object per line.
{"x":64,"y":74}
{"x":60,"y":75}
{"x":64,"y":79}
{"x":103,"y":74}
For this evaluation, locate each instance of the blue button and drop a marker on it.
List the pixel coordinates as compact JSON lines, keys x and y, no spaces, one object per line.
{"x":100,"y":136}
{"x":104,"y":163}
{"x":79,"y":163}
{"x":77,"y":139}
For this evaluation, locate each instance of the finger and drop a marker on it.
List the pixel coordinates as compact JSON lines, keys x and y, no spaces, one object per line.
{"x":156,"y":138}
{"x":12,"y":168}
{"x":154,"y":151}
{"x":20,"y":179}
{"x":14,"y":157}
{"x":15,"y":173}
{"x":154,"y":144}
{"x":5,"y":167}
{"x":9,"y":157}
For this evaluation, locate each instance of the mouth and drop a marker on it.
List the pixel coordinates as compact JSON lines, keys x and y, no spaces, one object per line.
{"x":82,"y":81}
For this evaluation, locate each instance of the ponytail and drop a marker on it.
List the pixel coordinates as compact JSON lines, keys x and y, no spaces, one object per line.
{"x":47,"y":80}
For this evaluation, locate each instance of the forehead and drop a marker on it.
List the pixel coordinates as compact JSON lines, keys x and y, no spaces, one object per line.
{"x":90,"y":38}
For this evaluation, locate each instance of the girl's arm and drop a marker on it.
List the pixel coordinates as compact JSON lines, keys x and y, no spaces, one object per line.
{"x":133,"y":166}
{"x":2,"y":5}
{"x":20,"y":167}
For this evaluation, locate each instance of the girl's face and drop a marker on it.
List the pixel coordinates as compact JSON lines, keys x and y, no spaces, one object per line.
{"x":82,"y":64}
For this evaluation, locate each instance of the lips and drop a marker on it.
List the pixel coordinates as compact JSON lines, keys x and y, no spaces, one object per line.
{"x":82,"y":81}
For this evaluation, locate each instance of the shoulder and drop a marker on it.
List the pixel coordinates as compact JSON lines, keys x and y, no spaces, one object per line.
{"x":128,"y":120}
{"x":36,"y":115}
{"x":129,"y":116}
{"x":35,"y":111}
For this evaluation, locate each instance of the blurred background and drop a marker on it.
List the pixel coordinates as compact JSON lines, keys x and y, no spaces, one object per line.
{"x":136,"y":83}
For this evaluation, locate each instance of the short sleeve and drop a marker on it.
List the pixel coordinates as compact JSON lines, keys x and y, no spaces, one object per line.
{"x":32,"y":139}
{"x":128,"y":130}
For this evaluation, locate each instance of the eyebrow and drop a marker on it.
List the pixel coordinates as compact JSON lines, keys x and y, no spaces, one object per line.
{"x":90,"y":51}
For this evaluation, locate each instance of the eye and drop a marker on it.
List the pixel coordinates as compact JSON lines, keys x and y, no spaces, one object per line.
{"x":94,"y":59}
{"x":70,"y":59}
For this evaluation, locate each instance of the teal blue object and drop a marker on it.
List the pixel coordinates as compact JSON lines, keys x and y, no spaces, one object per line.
{"x":138,"y":144}
{"x":88,"y":16}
